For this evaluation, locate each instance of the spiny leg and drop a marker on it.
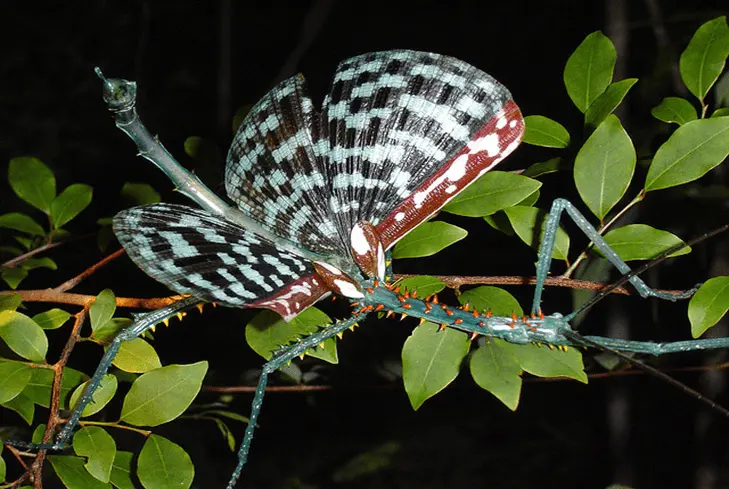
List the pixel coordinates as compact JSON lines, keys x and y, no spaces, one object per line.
{"x":139,"y":326}
{"x":279,"y":359}
{"x":547,"y":245}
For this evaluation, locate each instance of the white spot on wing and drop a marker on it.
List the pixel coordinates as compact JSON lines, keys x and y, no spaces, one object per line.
{"x":348,"y":289}
{"x":451,"y":189}
{"x":332,"y":269}
{"x":399,"y":216}
{"x":359,"y":241}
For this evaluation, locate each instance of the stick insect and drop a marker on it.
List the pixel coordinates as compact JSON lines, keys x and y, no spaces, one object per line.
{"x":321,"y":200}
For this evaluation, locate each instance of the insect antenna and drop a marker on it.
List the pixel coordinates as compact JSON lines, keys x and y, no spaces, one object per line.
{"x":579,"y":339}
{"x":637,"y":271}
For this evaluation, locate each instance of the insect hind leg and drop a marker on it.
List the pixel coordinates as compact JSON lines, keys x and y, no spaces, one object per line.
{"x":139,"y":326}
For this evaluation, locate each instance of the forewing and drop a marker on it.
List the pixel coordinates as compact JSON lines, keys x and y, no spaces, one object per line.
{"x":406,"y":131}
{"x":275,"y":175}
{"x":194,"y":252}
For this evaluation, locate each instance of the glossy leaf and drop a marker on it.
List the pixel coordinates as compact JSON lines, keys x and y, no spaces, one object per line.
{"x":604,"y":167}
{"x":163,"y":394}
{"x":39,"y":387}
{"x":102,"y":310}
{"x":99,"y":448}
{"x":544,"y":362}
{"x":491,"y":193}
{"x":326,"y":351}
{"x":21,"y":222}
{"x":267,"y":331}
{"x":14,"y":377}
{"x":589,"y":70}
{"x":642,"y":242}
{"x":10,"y":302}
{"x":723,"y":112}
{"x":691,"y":151}
{"x":22,"y":405}
{"x":164,"y":465}
{"x":545,"y":168}
{"x":606,"y":103}
{"x":52,"y":318}
{"x":73,"y":474}
{"x":74,"y":199}
{"x":101,"y":397}
{"x":703,"y":60}
{"x":428,"y":239}
{"x":13,"y":276}
{"x":136,"y":356}
{"x":488,"y":298}
{"x":525,"y":221}
{"x":708,"y":305}
{"x":140,"y":193}
{"x":121,"y":471}
{"x":497,"y":370}
{"x":543,"y":131}
{"x":33,"y":182}
{"x":23,"y":336}
{"x":422,"y":285}
{"x":431,"y":359}
{"x":675,"y":109}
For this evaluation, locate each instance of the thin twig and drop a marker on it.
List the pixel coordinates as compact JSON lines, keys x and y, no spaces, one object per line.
{"x":71,"y":283}
{"x":21,"y":258}
{"x":50,"y":295}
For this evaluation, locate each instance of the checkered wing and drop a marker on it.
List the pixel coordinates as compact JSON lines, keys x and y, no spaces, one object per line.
{"x":406,"y":132}
{"x":194,"y":252}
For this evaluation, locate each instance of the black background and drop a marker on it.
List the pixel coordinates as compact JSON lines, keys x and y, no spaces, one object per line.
{"x":197,"y":62}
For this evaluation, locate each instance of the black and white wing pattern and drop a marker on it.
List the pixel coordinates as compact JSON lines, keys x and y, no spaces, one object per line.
{"x":399,"y":135}
{"x":193,"y":252}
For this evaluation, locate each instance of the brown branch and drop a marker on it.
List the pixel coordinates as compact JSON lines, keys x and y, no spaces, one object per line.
{"x":21,"y":258}
{"x":71,"y":283}
{"x":455,"y":281}
{"x":50,"y":295}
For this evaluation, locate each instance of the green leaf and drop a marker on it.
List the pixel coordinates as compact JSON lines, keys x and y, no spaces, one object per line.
{"x":51,"y":319}
{"x":106,"y":333}
{"x":545,"y":362}
{"x":526,"y":220}
{"x":497,"y":370}
{"x":428,"y":239}
{"x":140,"y":193}
{"x":227,"y":434}
{"x":543,"y":131}
{"x":73,"y":474}
{"x":268,"y":332}
{"x":101,"y":397}
{"x":10,"y":302}
{"x":692,"y":150}
{"x":22,"y":405}
{"x":488,"y":298}
{"x":3,"y":469}
{"x":39,"y":387}
{"x":38,"y":434}
{"x":102,"y":310}
{"x":23,"y":336}
{"x":99,"y":447}
{"x":70,"y":203}
{"x":708,"y":305}
{"x":422,"y":285}
{"x":642,"y":242}
{"x":163,"y":394}
{"x":367,"y":464}
{"x":723,"y":112}
{"x":121,"y":471}
{"x":491,"y":193}
{"x":33,"y":182}
{"x":13,"y":276}
{"x":21,"y":222}
{"x":604,"y":167}
{"x":703,"y":60}
{"x":136,"y":356}
{"x":14,"y":377}
{"x":44,"y":262}
{"x":431,"y":359}
{"x":544,"y":168}
{"x":326,"y":351}
{"x":589,"y":70}
{"x":606,"y":103}
{"x":164,"y":465}
{"x":675,"y":109}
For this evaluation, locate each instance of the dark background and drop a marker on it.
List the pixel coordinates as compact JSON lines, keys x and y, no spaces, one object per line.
{"x":197,"y":62}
